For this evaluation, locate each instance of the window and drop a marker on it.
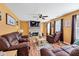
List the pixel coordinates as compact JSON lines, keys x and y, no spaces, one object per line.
{"x":77,"y":28}
{"x":58,"y":26}
{"x":48,"y":28}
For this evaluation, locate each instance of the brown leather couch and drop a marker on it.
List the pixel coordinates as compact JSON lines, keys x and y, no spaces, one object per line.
{"x":72,"y":50}
{"x":15,"y":41}
{"x":53,"y":38}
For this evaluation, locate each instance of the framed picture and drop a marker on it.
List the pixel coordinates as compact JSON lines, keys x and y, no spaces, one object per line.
{"x":10,"y":20}
{"x":67,"y":23}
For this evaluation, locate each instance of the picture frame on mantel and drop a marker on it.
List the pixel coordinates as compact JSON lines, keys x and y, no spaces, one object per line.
{"x":10,"y":20}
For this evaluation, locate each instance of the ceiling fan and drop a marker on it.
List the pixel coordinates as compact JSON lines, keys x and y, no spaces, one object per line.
{"x":43,"y":17}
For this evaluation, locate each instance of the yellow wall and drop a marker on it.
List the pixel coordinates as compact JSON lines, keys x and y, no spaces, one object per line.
{"x":44,"y":28}
{"x":25,"y":26}
{"x":67,"y":30}
{"x":4,"y":28}
{"x":41,"y":27}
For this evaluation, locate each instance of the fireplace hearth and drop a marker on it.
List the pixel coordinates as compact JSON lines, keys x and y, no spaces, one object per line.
{"x":34,"y":34}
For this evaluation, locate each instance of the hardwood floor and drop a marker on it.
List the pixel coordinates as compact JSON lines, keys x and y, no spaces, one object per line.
{"x":33,"y":49}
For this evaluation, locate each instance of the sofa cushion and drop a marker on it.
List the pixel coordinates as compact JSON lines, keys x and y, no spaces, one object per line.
{"x":74,"y":46}
{"x":18,"y":35}
{"x":19,"y":46}
{"x":69,"y":50}
{"x":14,"y":42}
{"x":75,"y":52}
{"x":46,"y":52}
{"x":4,"y":44}
{"x":61,"y":53}
{"x":50,"y":38}
{"x":56,"y":50}
{"x":57,"y":36}
{"x":66,"y":47}
{"x":12,"y":39}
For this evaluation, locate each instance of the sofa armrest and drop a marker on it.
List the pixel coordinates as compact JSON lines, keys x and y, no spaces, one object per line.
{"x":46,"y":52}
{"x":11,"y":53}
{"x":24,"y":36}
{"x":23,"y":40}
{"x":75,"y":52}
{"x":19,"y":46}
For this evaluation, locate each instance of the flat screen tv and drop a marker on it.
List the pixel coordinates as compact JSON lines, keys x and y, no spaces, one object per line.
{"x":34,"y":23}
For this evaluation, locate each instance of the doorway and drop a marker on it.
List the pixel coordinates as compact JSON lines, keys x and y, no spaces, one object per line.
{"x":49,"y":28}
{"x":75,"y":29}
{"x":59,"y":28}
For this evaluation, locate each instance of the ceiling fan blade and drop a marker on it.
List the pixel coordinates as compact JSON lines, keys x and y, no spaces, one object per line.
{"x":45,"y":16}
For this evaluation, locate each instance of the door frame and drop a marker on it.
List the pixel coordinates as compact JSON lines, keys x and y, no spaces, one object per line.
{"x":50,"y":28}
{"x":54,"y":27}
{"x":73,"y":29}
{"x":62,"y":31}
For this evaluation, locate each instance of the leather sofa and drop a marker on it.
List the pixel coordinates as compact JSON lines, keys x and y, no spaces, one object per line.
{"x":72,"y":50}
{"x":15,"y":41}
{"x":53,"y":38}
{"x":50,"y":38}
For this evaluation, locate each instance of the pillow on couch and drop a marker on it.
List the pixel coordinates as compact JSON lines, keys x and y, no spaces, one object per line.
{"x":14,"y":42}
{"x":75,"y":52}
{"x":4,"y":44}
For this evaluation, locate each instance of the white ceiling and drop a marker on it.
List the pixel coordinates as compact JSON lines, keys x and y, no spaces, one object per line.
{"x":52,"y":10}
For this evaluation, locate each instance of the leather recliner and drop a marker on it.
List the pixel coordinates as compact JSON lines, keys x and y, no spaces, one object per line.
{"x":15,"y":41}
{"x":53,"y":38}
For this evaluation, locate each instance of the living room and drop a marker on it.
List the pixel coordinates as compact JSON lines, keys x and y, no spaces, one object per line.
{"x":38,"y":30}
